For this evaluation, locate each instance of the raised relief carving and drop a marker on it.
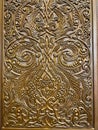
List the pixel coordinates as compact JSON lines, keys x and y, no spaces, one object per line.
{"x":47,"y":64}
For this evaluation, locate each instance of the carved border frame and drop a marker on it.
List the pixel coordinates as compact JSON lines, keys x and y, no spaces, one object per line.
{"x":94,"y":20}
{"x":95,"y":48}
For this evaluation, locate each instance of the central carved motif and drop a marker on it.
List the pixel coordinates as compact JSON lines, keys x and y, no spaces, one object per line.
{"x":47,"y":75}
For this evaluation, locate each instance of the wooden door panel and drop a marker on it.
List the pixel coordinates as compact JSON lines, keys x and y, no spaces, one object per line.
{"x":47,"y":64}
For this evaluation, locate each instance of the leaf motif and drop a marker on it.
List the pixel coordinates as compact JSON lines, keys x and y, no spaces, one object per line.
{"x":56,"y":48}
{"x":37,"y":48}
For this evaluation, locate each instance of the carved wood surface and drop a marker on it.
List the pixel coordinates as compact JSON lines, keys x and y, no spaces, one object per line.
{"x":47,"y":77}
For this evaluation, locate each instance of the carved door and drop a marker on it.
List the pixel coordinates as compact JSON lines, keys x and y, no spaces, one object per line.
{"x":47,"y":64}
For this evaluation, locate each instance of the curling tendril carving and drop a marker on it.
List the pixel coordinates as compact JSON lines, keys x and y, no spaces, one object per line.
{"x":47,"y":68}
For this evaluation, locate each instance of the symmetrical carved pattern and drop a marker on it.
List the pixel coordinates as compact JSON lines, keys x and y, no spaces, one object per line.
{"x":47,"y":64}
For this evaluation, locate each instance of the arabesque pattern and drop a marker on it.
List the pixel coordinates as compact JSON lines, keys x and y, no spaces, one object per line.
{"x":47,"y":64}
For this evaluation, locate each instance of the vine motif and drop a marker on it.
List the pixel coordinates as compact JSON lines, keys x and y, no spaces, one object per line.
{"x":47,"y":64}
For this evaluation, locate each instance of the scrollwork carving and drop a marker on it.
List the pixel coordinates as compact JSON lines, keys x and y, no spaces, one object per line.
{"x":47,"y":64}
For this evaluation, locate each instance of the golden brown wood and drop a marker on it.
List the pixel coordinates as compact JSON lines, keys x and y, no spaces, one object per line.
{"x":1,"y":56}
{"x":50,"y":129}
{"x":47,"y":64}
{"x":95,"y":36}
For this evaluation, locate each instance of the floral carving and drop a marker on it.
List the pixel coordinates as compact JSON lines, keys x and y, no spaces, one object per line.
{"x":47,"y":64}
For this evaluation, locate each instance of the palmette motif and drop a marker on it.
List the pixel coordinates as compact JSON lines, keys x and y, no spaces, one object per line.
{"x":47,"y":64}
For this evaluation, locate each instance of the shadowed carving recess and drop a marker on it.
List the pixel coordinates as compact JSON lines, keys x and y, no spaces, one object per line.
{"x":47,"y":64}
